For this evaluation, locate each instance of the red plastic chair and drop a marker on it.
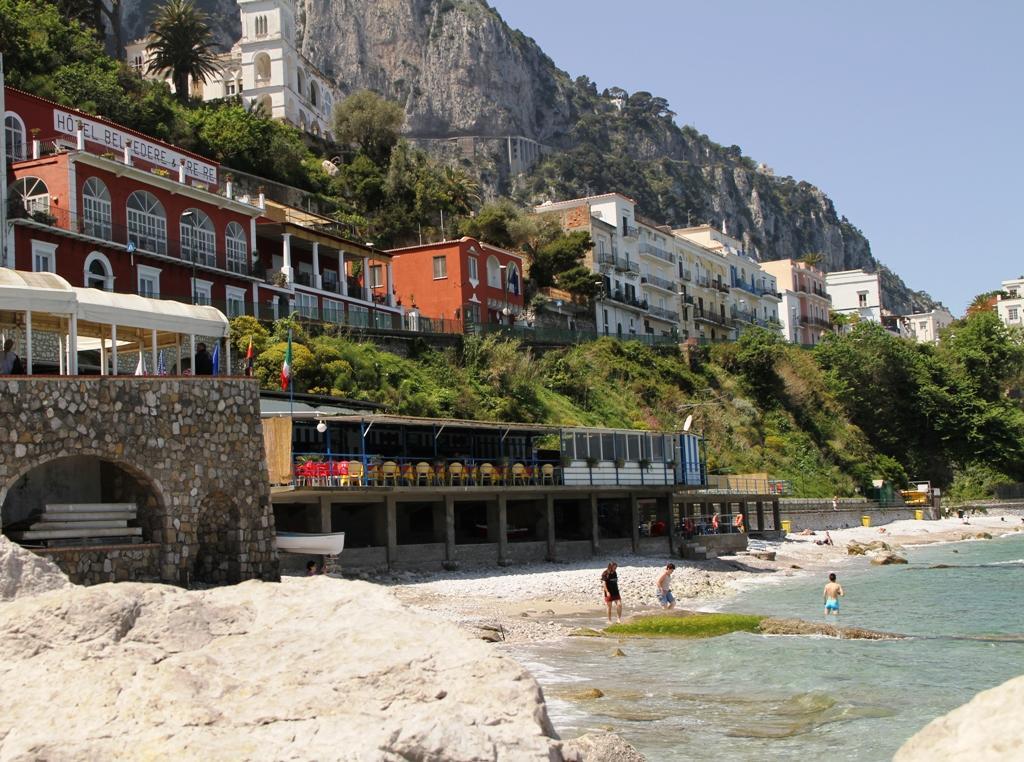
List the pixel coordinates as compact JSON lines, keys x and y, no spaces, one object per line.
{"x":303,"y":473}
{"x":339,"y":472}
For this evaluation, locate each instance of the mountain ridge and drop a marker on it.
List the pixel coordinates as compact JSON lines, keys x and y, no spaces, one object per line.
{"x":459,"y":69}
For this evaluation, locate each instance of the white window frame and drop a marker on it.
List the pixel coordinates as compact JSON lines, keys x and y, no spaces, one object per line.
{"x":334,"y":311}
{"x":359,"y":315}
{"x":22,"y":154}
{"x":144,"y":273}
{"x":474,"y":271}
{"x":306,"y":304}
{"x":97,"y":256}
{"x":236,"y":248}
{"x":146,"y":225}
{"x":443,"y":260}
{"x":1011,"y":313}
{"x":38,"y":201}
{"x":493,"y":273}
{"x":234,"y":296}
{"x":202,"y":291}
{"x":376,"y":276}
{"x":198,"y":238}
{"x":97,"y":209}
{"x":47,"y":253}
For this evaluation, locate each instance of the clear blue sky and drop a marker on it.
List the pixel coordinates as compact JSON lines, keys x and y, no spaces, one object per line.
{"x":906,"y":113}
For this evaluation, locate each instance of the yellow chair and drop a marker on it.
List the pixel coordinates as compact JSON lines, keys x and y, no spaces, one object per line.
{"x":488,"y":474}
{"x":355,"y":473}
{"x":424,"y":473}
{"x":389,"y":470}
{"x":519,"y":474}
{"x":547,"y":474}
{"x":456,"y":473}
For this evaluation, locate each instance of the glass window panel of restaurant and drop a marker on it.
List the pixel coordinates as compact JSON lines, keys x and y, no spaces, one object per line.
{"x":658,"y":443}
{"x":198,"y":238}
{"x":359,"y":316}
{"x":620,"y":445}
{"x":633,"y":445}
{"x":568,"y":446}
{"x":236,"y":247}
{"x":147,"y":223}
{"x":608,"y":446}
{"x":96,"y":209}
{"x":582,"y":448}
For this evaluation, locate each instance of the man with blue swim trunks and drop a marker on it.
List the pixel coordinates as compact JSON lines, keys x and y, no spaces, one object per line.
{"x":833,"y":592}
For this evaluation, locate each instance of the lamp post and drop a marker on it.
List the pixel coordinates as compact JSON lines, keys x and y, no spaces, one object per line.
{"x":503,"y":270}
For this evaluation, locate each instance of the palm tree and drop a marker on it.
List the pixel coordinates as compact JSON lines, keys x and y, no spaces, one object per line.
{"x":813,"y":258}
{"x":462,"y":190}
{"x":182,"y":44}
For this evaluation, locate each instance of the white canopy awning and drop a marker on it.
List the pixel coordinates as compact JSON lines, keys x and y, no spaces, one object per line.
{"x":129,"y":310}
{"x":39,"y":292}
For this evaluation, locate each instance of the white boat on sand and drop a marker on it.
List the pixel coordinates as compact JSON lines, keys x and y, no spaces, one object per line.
{"x":323,"y":544}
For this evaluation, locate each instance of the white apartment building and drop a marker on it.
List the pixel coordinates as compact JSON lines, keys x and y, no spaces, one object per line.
{"x":265,"y":69}
{"x":855,"y":292}
{"x":1010,"y":308}
{"x":924,"y":327}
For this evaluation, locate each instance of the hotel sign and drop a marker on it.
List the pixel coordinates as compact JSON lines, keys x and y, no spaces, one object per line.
{"x":146,"y":150}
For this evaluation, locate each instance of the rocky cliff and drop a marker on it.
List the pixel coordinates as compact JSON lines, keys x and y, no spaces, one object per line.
{"x":459,"y":70}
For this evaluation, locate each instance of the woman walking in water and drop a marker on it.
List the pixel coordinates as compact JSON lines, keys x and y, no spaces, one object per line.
{"x":610,"y":584}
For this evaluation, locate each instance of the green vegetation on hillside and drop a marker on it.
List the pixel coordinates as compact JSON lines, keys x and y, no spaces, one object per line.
{"x":859,"y":407}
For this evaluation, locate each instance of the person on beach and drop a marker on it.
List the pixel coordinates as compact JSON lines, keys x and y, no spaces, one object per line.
{"x":664,"y":590}
{"x":610,"y":585}
{"x":715,"y":521}
{"x":835,"y":502}
{"x":833,"y":592}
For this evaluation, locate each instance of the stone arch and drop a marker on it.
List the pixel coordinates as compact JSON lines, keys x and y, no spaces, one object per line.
{"x":261,"y":63}
{"x":83,"y":477}
{"x":217,"y":559}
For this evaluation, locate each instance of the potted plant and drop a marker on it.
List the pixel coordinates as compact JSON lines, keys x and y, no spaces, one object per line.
{"x":620,"y":462}
{"x":671,"y":465}
{"x":280,"y":279}
{"x":565,"y":461}
{"x":645,"y":463}
{"x":592,"y":461}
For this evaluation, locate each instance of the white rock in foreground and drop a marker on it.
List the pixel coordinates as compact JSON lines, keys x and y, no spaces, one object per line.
{"x":307,"y":669}
{"x":986,"y":729}
{"x":24,"y":573}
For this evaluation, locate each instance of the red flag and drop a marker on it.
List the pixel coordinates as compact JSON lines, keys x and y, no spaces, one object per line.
{"x":249,"y":358}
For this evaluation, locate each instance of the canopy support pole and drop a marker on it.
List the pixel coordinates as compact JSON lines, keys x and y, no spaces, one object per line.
{"x":155,"y":358}
{"x":113,"y":348}
{"x":73,"y":346}
{"x":28,"y":340}
{"x":177,"y":361}
{"x":61,"y":356}
{"x":103,"y":354}
{"x":192,"y":349}
{"x":227,"y":355}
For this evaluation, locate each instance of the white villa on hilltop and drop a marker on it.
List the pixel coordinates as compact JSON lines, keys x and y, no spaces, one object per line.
{"x":265,"y":68}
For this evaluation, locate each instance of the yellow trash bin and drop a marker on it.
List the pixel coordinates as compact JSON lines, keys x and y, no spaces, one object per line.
{"x":919,"y":515}
{"x":865,"y":521}
{"x":786,"y":526}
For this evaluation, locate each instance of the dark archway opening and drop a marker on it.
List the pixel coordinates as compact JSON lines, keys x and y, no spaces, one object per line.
{"x":81,"y":500}
{"x":218,"y":558}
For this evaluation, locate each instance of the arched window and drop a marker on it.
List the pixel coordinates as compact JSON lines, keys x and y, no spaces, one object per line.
{"x":262,"y":65}
{"x":513,"y":279}
{"x":31,"y":194}
{"x":14,"y":136}
{"x":303,"y":124}
{"x":96,"y":209}
{"x":198,"y":238}
{"x":147,"y":222}
{"x":261,"y":26}
{"x":301,"y":81}
{"x":236,"y":245}
{"x":314,"y":93}
{"x":316,"y":129}
{"x":493,"y":272}
{"x":266,"y":105}
{"x":98,"y":272}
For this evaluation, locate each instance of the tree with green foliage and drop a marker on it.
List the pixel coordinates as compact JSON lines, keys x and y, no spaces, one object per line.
{"x":494,"y":223}
{"x":982,"y":349}
{"x":182,"y":46}
{"x":369,"y":123}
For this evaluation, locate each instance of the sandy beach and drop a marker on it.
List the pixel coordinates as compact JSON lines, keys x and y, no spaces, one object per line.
{"x":548,"y":601}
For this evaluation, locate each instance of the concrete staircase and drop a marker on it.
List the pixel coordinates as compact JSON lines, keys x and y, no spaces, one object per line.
{"x":692,"y":550}
{"x":82,"y":524}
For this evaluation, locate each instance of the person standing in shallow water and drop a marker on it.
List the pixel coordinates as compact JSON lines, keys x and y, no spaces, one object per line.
{"x":610,"y":584}
{"x":833,"y":592}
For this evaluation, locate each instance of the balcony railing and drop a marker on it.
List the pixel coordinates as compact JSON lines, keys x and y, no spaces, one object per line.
{"x":621,"y":298}
{"x":659,"y":282}
{"x":630,"y":231}
{"x":655,"y":251}
{"x":710,"y":317}
{"x":661,"y":312}
{"x":703,"y":280}
{"x":723,"y":287}
{"x":686,"y":274}
{"x":622,"y":264}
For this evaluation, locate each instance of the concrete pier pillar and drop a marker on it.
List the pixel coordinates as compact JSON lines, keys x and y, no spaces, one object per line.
{"x":449,"y":528}
{"x":665,"y":504}
{"x":391,"y":525}
{"x":759,"y":507}
{"x":325,"y":514}
{"x":549,"y":510}
{"x":776,"y":516}
{"x":502,"y":530}
{"x":634,"y":519}
{"x":595,"y":532}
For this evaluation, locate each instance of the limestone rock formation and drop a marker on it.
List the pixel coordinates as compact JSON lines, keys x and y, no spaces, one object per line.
{"x":307,"y":669}
{"x":986,"y":728}
{"x":885,"y":559}
{"x":23,"y":573}
{"x":601,"y":747}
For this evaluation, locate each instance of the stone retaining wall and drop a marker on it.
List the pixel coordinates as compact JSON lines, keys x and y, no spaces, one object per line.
{"x":107,"y":563}
{"x":843,"y":519}
{"x":191,"y":452}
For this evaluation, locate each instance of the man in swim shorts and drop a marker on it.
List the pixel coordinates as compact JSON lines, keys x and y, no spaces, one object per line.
{"x":665,"y":597}
{"x":833,"y":592}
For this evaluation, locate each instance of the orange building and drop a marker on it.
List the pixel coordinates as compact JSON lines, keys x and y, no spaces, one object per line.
{"x":463,"y":281}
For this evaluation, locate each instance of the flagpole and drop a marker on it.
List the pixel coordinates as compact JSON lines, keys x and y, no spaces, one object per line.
{"x":291,"y":384}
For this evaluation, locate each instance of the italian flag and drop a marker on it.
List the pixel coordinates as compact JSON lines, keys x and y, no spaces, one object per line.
{"x":286,"y":366}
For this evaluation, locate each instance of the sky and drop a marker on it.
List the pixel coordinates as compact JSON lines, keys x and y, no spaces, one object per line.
{"x":906,"y":113}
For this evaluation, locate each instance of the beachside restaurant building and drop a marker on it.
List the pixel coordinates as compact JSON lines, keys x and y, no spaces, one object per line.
{"x":418,"y":492}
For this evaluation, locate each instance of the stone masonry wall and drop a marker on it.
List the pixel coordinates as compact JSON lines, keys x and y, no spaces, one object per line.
{"x":196,"y":444}
{"x":107,"y":563}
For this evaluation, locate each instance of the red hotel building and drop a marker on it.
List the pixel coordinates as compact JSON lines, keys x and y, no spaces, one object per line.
{"x":465,"y":281}
{"x":104,"y":206}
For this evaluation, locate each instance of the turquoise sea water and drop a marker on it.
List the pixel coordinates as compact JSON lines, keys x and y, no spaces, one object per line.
{"x":751,"y":697}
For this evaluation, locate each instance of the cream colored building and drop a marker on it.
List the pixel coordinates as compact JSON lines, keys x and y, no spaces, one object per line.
{"x":1010,"y":308}
{"x":265,"y":69}
{"x":925,"y":327}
